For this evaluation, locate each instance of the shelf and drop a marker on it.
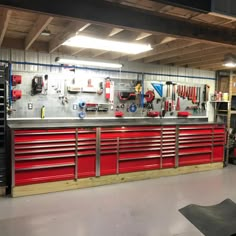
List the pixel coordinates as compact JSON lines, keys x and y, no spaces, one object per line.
{"x":220,"y":101}
{"x":222,"y":110}
{"x":233,"y":112}
{"x":222,"y":115}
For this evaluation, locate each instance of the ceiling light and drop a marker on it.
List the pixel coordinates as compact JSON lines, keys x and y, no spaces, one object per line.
{"x":107,"y":45}
{"x":229,"y":61}
{"x":230,"y":64}
{"x":46,"y":33}
{"x":65,"y":61}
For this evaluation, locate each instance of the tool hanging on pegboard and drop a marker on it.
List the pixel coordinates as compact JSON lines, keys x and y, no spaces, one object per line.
{"x":37,"y":85}
{"x":107,"y":88}
{"x":168,"y":83}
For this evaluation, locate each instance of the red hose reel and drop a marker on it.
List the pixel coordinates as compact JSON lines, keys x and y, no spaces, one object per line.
{"x":16,"y":79}
{"x":149,"y":96}
{"x":16,"y":94}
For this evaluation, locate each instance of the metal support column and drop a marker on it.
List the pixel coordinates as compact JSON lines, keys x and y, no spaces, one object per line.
{"x":229,"y":119}
{"x":76,"y":154}
{"x":117,"y":155}
{"x":12,"y":159}
{"x":98,"y":150}
{"x":177,"y":146}
{"x":161,"y":158}
{"x":212,"y":144}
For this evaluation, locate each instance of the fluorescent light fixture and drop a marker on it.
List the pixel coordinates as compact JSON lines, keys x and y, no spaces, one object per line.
{"x":46,"y":33}
{"x":229,"y":61}
{"x":107,"y":45}
{"x":88,"y":63}
{"x":230,"y":64}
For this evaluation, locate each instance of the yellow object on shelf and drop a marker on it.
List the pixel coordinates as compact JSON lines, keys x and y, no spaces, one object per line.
{"x":225,"y":96}
{"x":43,"y":112}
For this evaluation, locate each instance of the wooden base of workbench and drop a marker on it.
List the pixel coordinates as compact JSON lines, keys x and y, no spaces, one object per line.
{"x":111,"y":179}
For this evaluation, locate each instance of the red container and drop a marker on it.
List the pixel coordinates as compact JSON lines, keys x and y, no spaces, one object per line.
{"x":119,"y":114}
{"x":16,"y":79}
{"x":153,"y":113}
{"x":183,"y":114}
{"x":16,"y":94}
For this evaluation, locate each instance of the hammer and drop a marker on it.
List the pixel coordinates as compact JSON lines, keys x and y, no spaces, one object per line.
{"x":168,"y":83}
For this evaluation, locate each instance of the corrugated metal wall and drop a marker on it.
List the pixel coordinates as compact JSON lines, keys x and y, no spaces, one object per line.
{"x":44,"y":58}
{"x":152,"y":72}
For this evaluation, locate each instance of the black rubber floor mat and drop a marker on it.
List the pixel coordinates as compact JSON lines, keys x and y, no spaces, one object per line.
{"x":217,"y":220}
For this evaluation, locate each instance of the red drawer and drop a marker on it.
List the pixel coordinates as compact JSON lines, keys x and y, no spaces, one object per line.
{"x":86,"y":166}
{"x":218,"y":153}
{"x":139,"y":154}
{"x":200,"y":158}
{"x":44,"y":175}
{"x":168,"y":162}
{"x":108,"y":164}
{"x":39,"y":156}
{"x":34,"y":164}
{"x":38,"y":131}
{"x":139,"y":165}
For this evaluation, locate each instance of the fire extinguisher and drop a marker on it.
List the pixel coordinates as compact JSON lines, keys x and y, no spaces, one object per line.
{"x":107,"y":89}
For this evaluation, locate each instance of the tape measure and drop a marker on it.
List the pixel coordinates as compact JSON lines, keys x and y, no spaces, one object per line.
{"x":133,"y":108}
{"x":82,"y":104}
{"x":82,"y":114}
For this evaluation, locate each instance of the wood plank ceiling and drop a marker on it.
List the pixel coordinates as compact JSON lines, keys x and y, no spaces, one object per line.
{"x":23,"y":30}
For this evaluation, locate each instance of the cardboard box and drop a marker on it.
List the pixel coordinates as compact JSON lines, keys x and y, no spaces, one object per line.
{"x":234,"y":85}
{"x":223,"y":85}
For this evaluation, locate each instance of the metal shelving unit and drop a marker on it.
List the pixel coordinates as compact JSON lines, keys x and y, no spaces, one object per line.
{"x":3,"y":156}
{"x":224,"y":112}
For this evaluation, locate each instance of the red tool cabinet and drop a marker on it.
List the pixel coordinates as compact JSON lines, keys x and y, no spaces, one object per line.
{"x":45,"y":155}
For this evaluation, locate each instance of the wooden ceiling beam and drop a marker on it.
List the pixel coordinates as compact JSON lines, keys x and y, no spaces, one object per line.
{"x":112,"y":33}
{"x":115,"y":31}
{"x":42,"y":22}
{"x":183,"y":49}
{"x":143,"y":36}
{"x":204,"y":63}
{"x":4,"y":20}
{"x":109,"y":14}
{"x":78,"y":51}
{"x":199,"y":5}
{"x":129,"y":37}
{"x":206,"y":58}
{"x":67,"y":33}
{"x":219,"y":67}
{"x":116,"y":56}
{"x":86,"y":32}
{"x":163,"y":46}
{"x":149,"y":39}
{"x":181,"y":60}
{"x":20,"y":44}
{"x":212,"y":66}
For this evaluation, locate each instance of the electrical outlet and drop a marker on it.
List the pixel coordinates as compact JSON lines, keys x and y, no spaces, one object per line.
{"x":75,"y":106}
{"x":30,"y":106}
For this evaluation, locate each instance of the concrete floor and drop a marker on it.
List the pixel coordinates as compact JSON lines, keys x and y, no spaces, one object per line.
{"x":142,"y":208}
